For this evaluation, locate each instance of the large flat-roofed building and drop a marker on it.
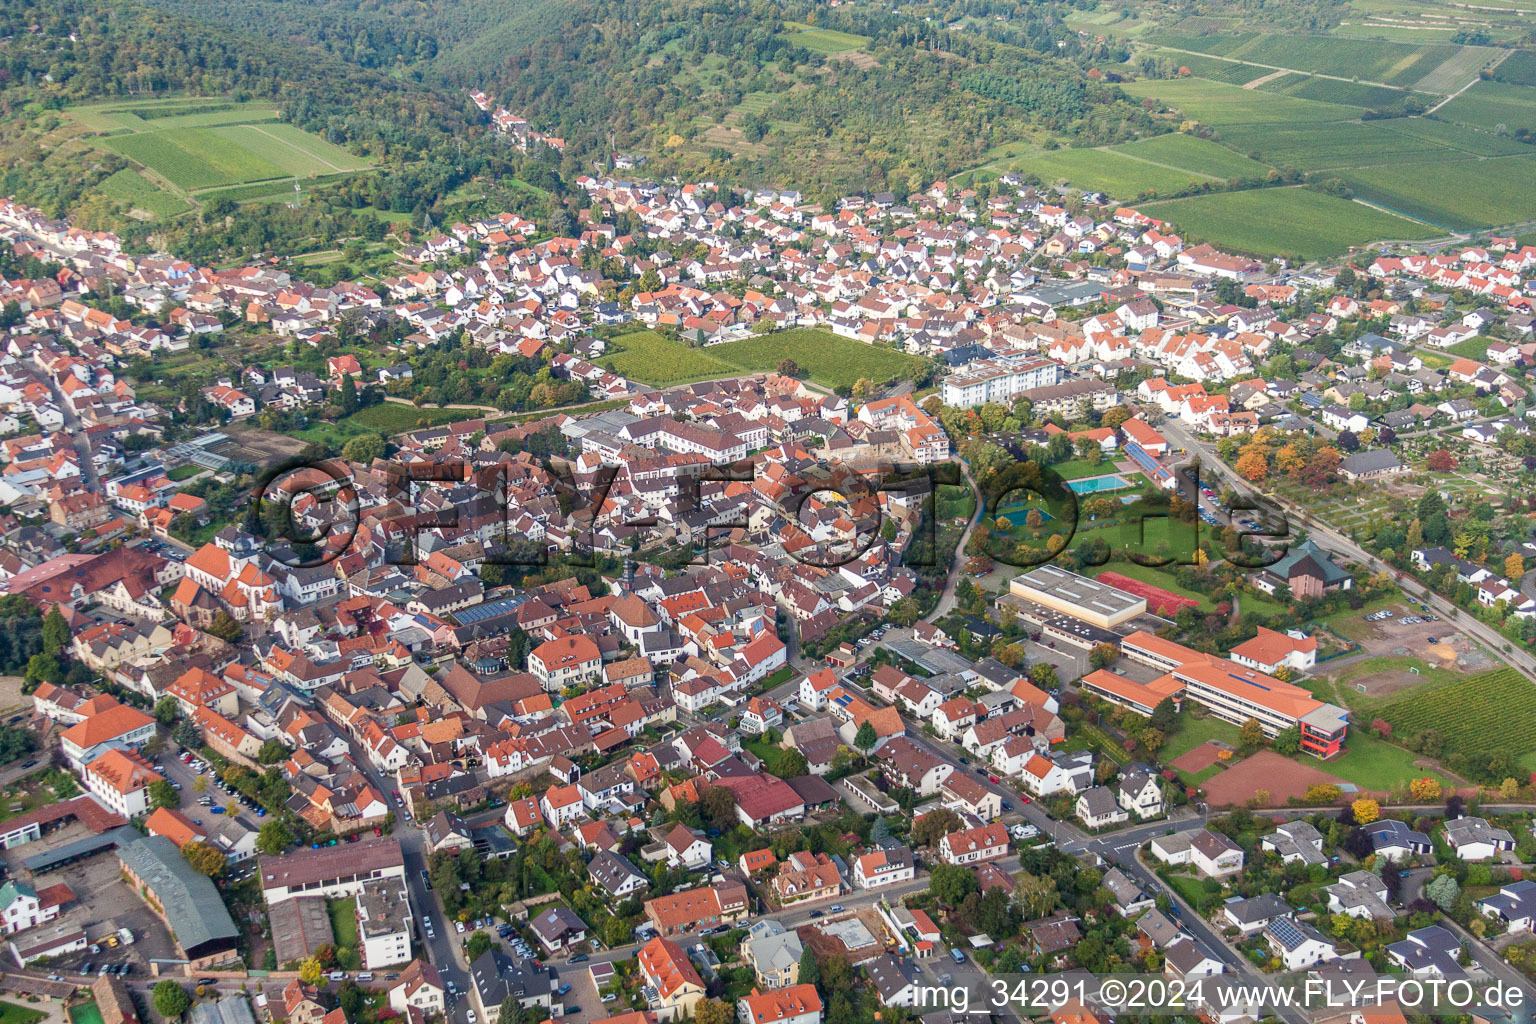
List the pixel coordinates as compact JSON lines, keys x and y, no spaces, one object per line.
{"x":1230,"y":691}
{"x":331,"y":871}
{"x":998,"y":380}
{"x":1078,"y":596}
{"x":185,"y":898}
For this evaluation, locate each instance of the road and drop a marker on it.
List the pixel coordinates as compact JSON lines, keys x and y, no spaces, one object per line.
{"x":77,"y":435}
{"x":1331,"y":539}
{"x":957,"y":565}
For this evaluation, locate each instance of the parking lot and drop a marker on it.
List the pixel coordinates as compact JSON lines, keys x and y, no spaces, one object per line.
{"x":104,"y":904}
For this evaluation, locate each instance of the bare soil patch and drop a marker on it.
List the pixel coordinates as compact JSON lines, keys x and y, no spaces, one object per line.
{"x":1267,"y":770}
{"x":1200,"y":758}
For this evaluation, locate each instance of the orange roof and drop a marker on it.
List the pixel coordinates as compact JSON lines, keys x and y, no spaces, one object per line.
{"x":781,"y":1004}
{"x":106,"y":725}
{"x":125,"y":772}
{"x":174,"y":825}
{"x":667,"y":966}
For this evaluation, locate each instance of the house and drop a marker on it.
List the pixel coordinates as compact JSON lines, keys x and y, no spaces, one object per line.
{"x":804,"y":877}
{"x":495,"y":978}
{"x":1296,"y":842}
{"x":686,"y":849}
{"x":117,"y":727}
{"x":1429,"y":951}
{"x":1130,"y":898}
{"x":974,"y":845}
{"x":22,"y":907}
{"x":1186,"y":958}
{"x":120,"y":780}
{"x":896,"y":981}
{"x":1514,"y":904}
{"x":1251,"y":916}
{"x":1055,"y":934}
{"x":1393,"y":840}
{"x":1298,"y":944}
{"x":1141,"y":793}
{"x":558,"y":928}
{"x":1212,"y":854}
{"x":419,"y":985}
{"x":693,"y":909}
{"x":1307,"y":570}
{"x":890,"y":864}
{"x":615,"y":874}
{"x":773,"y":952}
{"x":1475,"y":839}
{"x":1359,"y":894}
{"x":1271,"y":651}
{"x":667,"y":970}
{"x":797,"y":1004}
{"x":1098,"y":808}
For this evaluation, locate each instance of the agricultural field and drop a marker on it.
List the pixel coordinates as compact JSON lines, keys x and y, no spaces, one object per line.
{"x":1218,"y":104}
{"x":826,"y":357}
{"x":130,"y":187}
{"x":1366,"y":60}
{"x":823,"y":40}
{"x":1331,"y":90}
{"x":194,"y":144}
{"x":1215,"y":69}
{"x":1278,"y":221}
{"x":1488,"y":105}
{"x":1191,"y":153}
{"x":1098,"y":170}
{"x":1454,"y":136}
{"x":1330,"y":144}
{"x":1519,"y":68}
{"x":1478,"y":717}
{"x":652,"y":359}
{"x":1460,"y":195}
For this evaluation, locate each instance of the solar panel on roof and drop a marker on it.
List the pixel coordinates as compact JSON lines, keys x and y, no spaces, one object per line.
{"x":1285,"y":930}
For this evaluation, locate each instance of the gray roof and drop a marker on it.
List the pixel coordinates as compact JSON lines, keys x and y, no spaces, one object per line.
{"x":1262,"y":907}
{"x":196,"y":915}
{"x":1378,"y":460}
{"x":229,"y":1010}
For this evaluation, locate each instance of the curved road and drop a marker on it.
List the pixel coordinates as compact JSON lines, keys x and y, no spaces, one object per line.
{"x":957,"y":565}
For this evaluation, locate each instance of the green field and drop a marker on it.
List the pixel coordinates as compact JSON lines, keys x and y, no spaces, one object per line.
{"x":130,"y":187}
{"x":1519,"y":68}
{"x":1218,"y":104}
{"x":1101,"y":170}
{"x":1454,"y":136}
{"x":1485,"y":715}
{"x":826,"y":357}
{"x":1461,"y":194}
{"x":1368,"y":60}
{"x":195,"y":144}
{"x":1195,"y":154}
{"x":1331,"y":90}
{"x":1276,"y":221}
{"x":1488,"y":105}
{"x":1330,"y":144}
{"x":823,"y":40}
{"x":652,"y":359}
{"x":1214,"y":68}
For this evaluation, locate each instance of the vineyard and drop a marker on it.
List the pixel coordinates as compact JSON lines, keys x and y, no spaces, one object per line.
{"x":652,"y":359}
{"x":1479,"y":717}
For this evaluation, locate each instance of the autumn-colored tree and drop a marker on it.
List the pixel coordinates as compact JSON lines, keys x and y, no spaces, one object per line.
{"x":1365,"y":810}
{"x":1252,"y":466}
{"x":1290,"y":459}
{"x":1321,"y":793}
{"x":1323,"y":467}
{"x":712,"y":1011}
{"x":1033,"y":519}
{"x":1441,"y":461}
{"x":204,"y":859}
{"x":1424,"y":790}
{"x":1509,"y":789}
{"x":1514,"y":566}
{"x":1251,"y":733}
{"x":1115,"y":417}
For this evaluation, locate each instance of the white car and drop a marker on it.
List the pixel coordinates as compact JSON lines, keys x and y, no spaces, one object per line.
{"x":469,"y":1015}
{"x":458,"y":926}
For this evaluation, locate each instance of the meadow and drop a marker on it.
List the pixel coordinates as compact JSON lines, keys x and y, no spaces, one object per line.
{"x":652,"y":359}
{"x":1278,"y":221}
{"x":825,"y":357}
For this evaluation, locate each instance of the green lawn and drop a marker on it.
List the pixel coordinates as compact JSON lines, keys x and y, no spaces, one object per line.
{"x":1194,"y":731}
{"x":827,"y":358}
{"x":1276,"y":221}
{"x":1472,"y":348}
{"x":1078,"y":469}
{"x":1373,"y":763}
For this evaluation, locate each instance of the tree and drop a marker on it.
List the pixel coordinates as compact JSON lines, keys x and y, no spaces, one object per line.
{"x":55,"y":632}
{"x":163,"y":794}
{"x":1441,"y":461}
{"x":1348,"y":441}
{"x":713,"y":1011}
{"x":1442,"y":891}
{"x":204,"y":859}
{"x":272,"y":752}
{"x":1251,"y":734}
{"x":1321,"y":793}
{"x":363,"y":449}
{"x":167,"y":710}
{"x":225,"y":627}
{"x":1252,"y":466}
{"x":478,"y":944}
{"x":1103,"y":655}
{"x":273,"y":838}
{"x":1509,"y":789}
{"x":788,"y":368}
{"x":791,"y":764}
{"x":951,"y":883}
{"x":810,"y":970}
{"x":1424,"y":790}
{"x":349,"y":402}
{"x":171,"y":1000}
{"x":718,"y":808}
{"x":1165,"y":716}
{"x":866,"y":738}
{"x":1366,"y":810}
{"x":1044,"y":676}
{"x":1514,"y":567}
{"x":935,"y":825}
{"x":1288,"y":741}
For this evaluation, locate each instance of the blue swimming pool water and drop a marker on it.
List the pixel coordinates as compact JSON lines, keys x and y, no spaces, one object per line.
{"x":1093,"y":485}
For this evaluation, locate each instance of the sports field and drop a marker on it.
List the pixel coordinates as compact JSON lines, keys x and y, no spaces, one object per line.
{"x":1278,"y":221}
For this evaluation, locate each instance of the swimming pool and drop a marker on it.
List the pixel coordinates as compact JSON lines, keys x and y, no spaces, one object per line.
{"x":1094,"y":485}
